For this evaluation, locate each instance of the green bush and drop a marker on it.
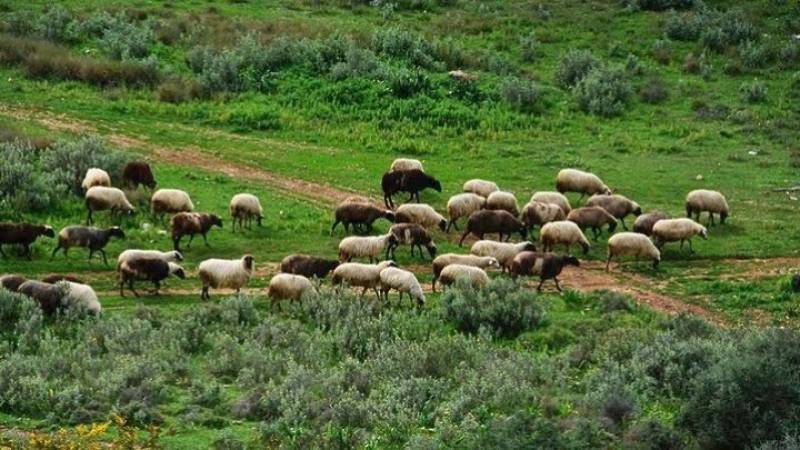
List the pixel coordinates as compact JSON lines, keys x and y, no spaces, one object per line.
{"x":603,"y":92}
{"x":523,"y":95}
{"x":684,"y":27}
{"x":754,"y":92}
{"x":662,"y":51}
{"x":68,"y":161}
{"x":405,"y":83}
{"x":654,"y":91}
{"x":56,"y":24}
{"x":574,"y":66}
{"x":530,"y":48}
{"x":123,"y":39}
{"x":755,"y":56}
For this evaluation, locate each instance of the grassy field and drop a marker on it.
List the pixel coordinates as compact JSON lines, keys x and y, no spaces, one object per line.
{"x":303,"y":102}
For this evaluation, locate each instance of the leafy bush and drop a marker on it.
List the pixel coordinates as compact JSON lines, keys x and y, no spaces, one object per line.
{"x":662,"y":51}
{"x":127,"y":40}
{"x":23,"y":187}
{"x":523,"y":95}
{"x":68,"y":161}
{"x":654,"y":91}
{"x":604,"y":92}
{"x":56,"y":24}
{"x":753,"y":55}
{"x":405,"y":83}
{"x":177,"y":90}
{"x":789,"y":54}
{"x":574,"y":66}
{"x":530,"y":48}
{"x":684,"y":27}
{"x":697,"y":64}
{"x":755,"y":92}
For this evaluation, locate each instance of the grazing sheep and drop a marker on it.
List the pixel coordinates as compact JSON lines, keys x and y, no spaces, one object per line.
{"x":94,"y":239}
{"x":95,"y":177}
{"x":153,"y":270}
{"x":365,"y":246}
{"x":476,"y":277}
{"x":402,"y":281}
{"x":563,"y":232}
{"x":102,"y":198}
{"x":366,"y":276}
{"x":644,"y":223}
{"x":225,"y":273}
{"x":539,"y":213}
{"x":83,"y":295}
{"x":189,"y":223}
{"x":12,"y":282}
{"x":23,"y":234}
{"x":616,"y":205}
{"x":48,"y":296}
{"x":555,"y":198}
{"x":411,"y":181}
{"x":308,"y":266}
{"x":170,"y":201}
{"x":410,"y":234}
{"x":54,"y":278}
{"x":285,"y":286}
{"x":547,"y":265}
{"x":703,"y":200}
{"x":586,"y":183}
{"x":169,"y":256}
{"x":487,"y":221}
{"x":138,"y":173}
{"x":480,"y":187}
{"x":502,"y":251}
{"x":406,"y":164}
{"x":421,"y":214}
{"x":445,"y":260}
{"x":673,"y":230}
{"x":503,"y":200}
{"x":462,"y":205}
{"x":632,"y":244}
{"x":358,"y":214}
{"x":593,"y":217}
{"x":244,"y":208}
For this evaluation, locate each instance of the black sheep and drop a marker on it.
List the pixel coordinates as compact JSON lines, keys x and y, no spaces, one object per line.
{"x":411,"y":181}
{"x":138,"y":173}
{"x":154,"y":270}
{"x":48,"y":296}
{"x":23,"y":234}
{"x":546,"y":265}
{"x":95,"y":239}
{"x":493,"y":221}
{"x":308,"y":266}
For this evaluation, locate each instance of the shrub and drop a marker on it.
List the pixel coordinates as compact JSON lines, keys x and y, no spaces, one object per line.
{"x":358,"y":63}
{"x":405,"y":83}
{"x":662,"y":51}
{"x":127,"y":40}
{"x":529,"y":48}
{"x":790,"y":54}
{"x":603,"y":92}
{"x":654,"y":91}
{"x":697,"y":65}
{"x":68,"y":161}
{"x":56,"y":24}
{"x":753,"y":55}
{"x":683,"y":27}
{"x":522,"y":95}
{"x":24,"y":186}
{"x":178,"y":90}
{"x":755,"y":92}
{"x":652,"y":435}
{"x":574,"y":66}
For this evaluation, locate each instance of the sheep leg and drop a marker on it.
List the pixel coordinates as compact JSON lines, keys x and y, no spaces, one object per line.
{"x":710,"y":219}
{"x":52,"y":256}
{"x":681,"y":244}
{"x":157,"y":285}
{"x":89,"y":217}
{"x":121,"y":287}
{"x":204,"y":295}
{"x":333,"y":227}
{"x":539,"y":288}
{"x":191,"y":238}
{"x":3,"y":254}
{"x":176,"y":243}
{"x":91,"y":252}
{"x":596,"y":233}
{"x":463,"y":236}
{"x":105,"y":260}
{"x":387,"y":200}
{"x":558,"y":286}
{"x":130,"y":286}
{"x":378,"y":294}
{"x":691,"y":250}
{"x":608,"y":261}
{"x":205,"y":240}
{"x":622,"y":221}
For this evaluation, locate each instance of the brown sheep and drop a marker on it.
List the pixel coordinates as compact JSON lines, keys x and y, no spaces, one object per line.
{"x":138,"y":173}
{"x":187,"y":223}
{"x":493,"y":221}
{"x":616,"y":205}
{"x":593,"y":217}
{"x":48,"y":296}
{"x":644,"y":223}
{"x":12,"y":282}
{"x":23,"y":234}
{"x":359,"y":214}
{"x":546,"y":265}
{"x":308,"y":266}
{"x":411,"y":234}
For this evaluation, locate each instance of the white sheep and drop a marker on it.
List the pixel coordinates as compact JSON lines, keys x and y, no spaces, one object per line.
{"x":285,"y":286}
{"x":103,"y":198}
{"x":563,"y":232}
{"x":225,"y":273}
{"x":555,"y":198}
{"x":703,"y":200}
{"x":504,"y":252}
{"x":365,"y":246}
{"x":420,"y":214}
{"x":402,"y":281}
{"x":442,"y":261}
{"x":476,"y":277}
{"x":462,"y":205}
{"x":406,"y":164}
{"x":84,"y":295}
{"x":480,"y":187}
{"x":366,"y":276}
{"x":170,"y":201}
{"x":245,"y":207}
{"x":586,"y":183}
{"x":95,"y":177}
{"x":503,"y":200}
{"x":632,"y":244}
{"x":170,"y":256}
{"x":539,"y":213}
{"x":673,"y":230}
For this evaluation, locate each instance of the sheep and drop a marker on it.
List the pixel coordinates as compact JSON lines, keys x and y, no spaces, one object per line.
{"x":480,"y":187}
{"x":285,"y":286}
{"x":359,"y":214}
{"x":401,"y":281}
{"x":225,"y":273}
{"x":539,"y":213}
{"x":411,"y":181}
{"x":462,"y":205}
{"x":153,"y":270}
{"x":54,"y":278}
{"x":102,"y":198}
{"x":192,"y":223}
{"x":445,"y":260}
{"x":366,"y":276}
{"x":632,"y":244}
{"x":49,"y":297}
{"x":672,"y":230}
{"x":411,"y":234}
{"x":593,"y":217}
{"x":565,"y":233}
{"x":169,"y":256}
{"x":406,"y":164}
{"x":83,"y":295}
{"x":503,"y":200}
{"x":245,"y":207}
{"x":421,"y":214}
{"x":703,"y":200}
{"x":476,"y":277}
{"x":308,"y":266}
{"x":365,"y":246}
{"x":137,"y":173}
{"x":95,"y":177}
{"x":502,"y":251}
{"x":487,"y":221}
{"x":616,"y":205}
{"x":12,"y":282}
{"x":644,"y":223}
{"x":95,"y":239}
{"x":170,"y":201}
{"x":586,"y":183}
{"x":23,"y":234}
{"x":546,"y":265}
{"x":555,"y":198}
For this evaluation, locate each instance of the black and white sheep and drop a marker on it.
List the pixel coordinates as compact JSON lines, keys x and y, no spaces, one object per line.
{"x":138,"y":173}
{"x":244,"y":208}
{"x":673,"y":230}
{"x":505,"y":201}
{"x":616,"y":205}
{"x":712,"y":202}
{"x":480,"y":187}
{"x":563,"y":232}
{"x":95,"y":177}
{"x":402,"y":281}
{"x":644,"y":223}
{"x":503,"y":252}
{"x":486,"y":221}
{"x":94,"y":239}
{"x":594,"y":218}
{"x":371,"y":247}
{"x":536,"y":213}
{"x":406,"y":164}
{"x":442,"y":261}
{"x":365,"y":276}
{"x":170,"y":201}
{"x":586,"y":183}
{"x":225,"y":273}
{"x":421,"y":214}
{"x":23,"y":234}
{"x":359,"y":214}
{"x":411,"y":234}
{"x":462,"y":205}
{"x":632,"y":244}
{"x":189,"y":223}
{"x":154,"y":270}
{"x":410,"y":181}
{"x":308,"y":266}
{"x":547,"y":265}
{"x":102,"y":198}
